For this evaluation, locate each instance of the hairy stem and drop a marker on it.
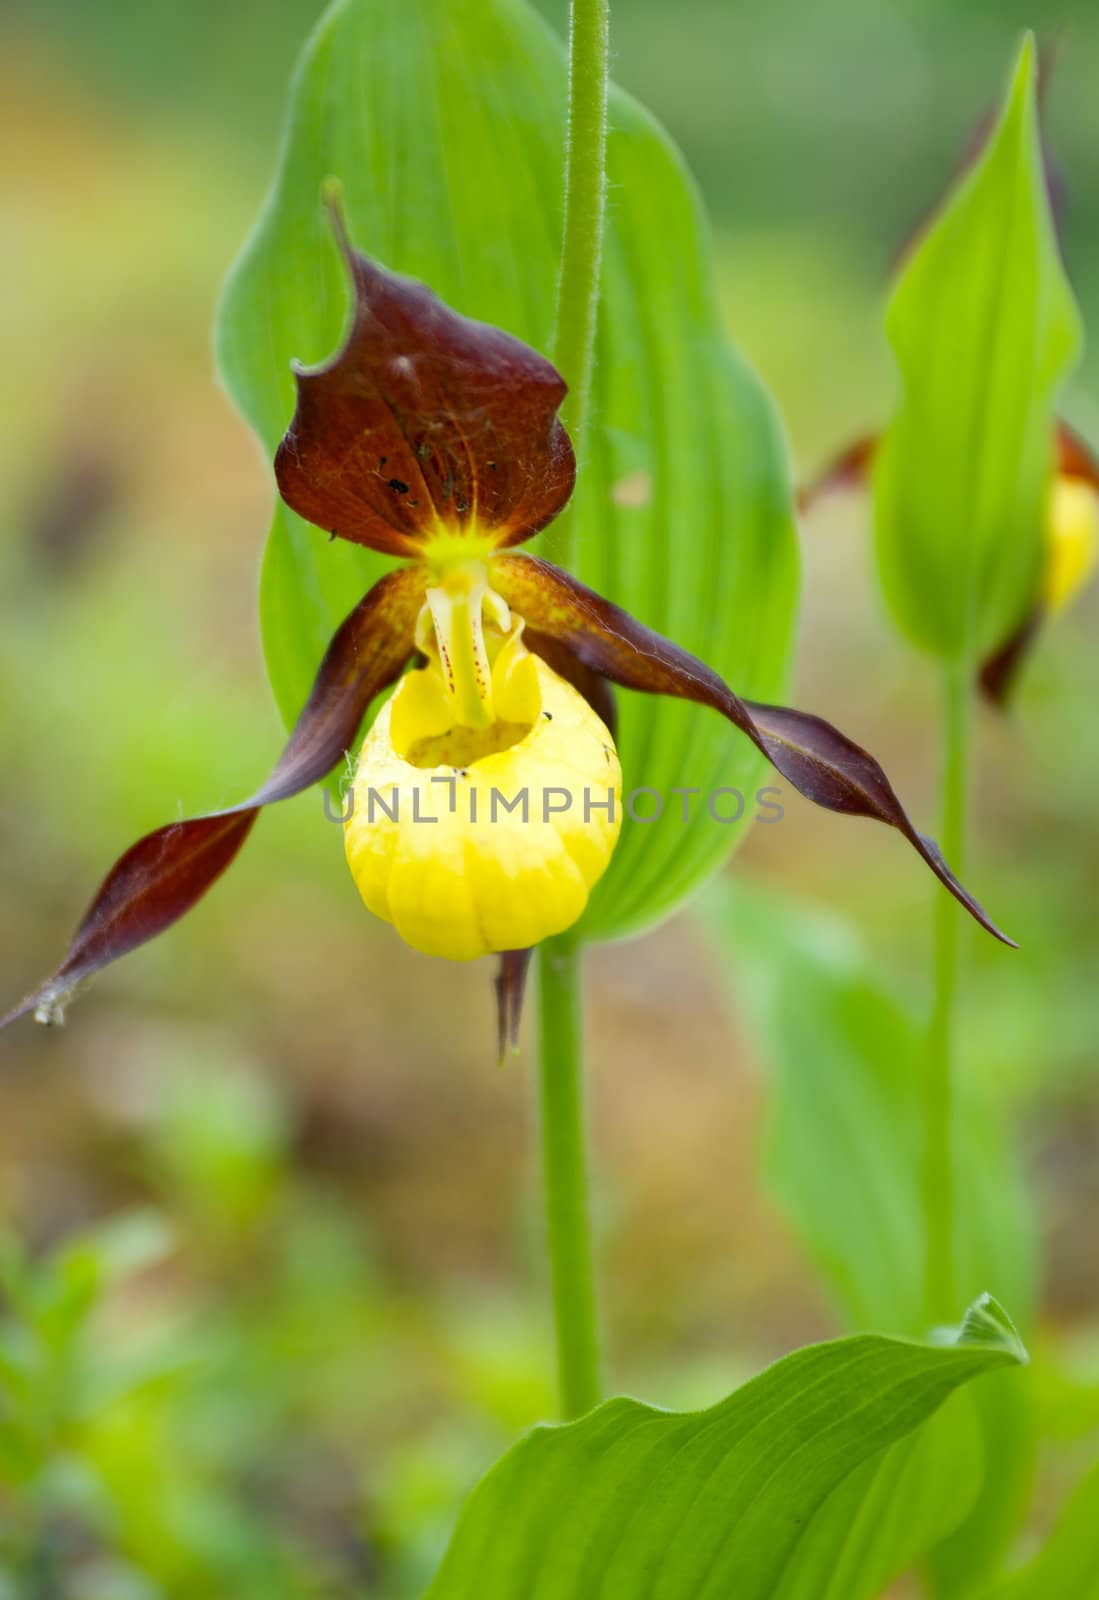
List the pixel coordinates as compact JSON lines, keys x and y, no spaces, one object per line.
{"x":938,"y":1175}
{"x":582,"y":246}
{"x":561,"y":1023}
{"x":565,"y":1176}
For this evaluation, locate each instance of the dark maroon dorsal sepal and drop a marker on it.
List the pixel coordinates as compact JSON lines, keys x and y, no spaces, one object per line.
{"x":424,"y":423}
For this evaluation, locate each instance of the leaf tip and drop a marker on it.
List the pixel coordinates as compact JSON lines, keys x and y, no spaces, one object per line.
{"x":1021,"y":100}
{"x":332,"y":201}
{"x":987,"y":1323}
{"x":1027,"y":61}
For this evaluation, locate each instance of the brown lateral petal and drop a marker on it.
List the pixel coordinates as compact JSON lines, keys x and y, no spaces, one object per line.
{"x":511,"y":985}
{"x":821,"y":763}
{"x":1075,"y":457}
{"x":165,"y":873}
{"x":424,"y":418}
{"x":849,"y":470}
{"x":1000,"y":671}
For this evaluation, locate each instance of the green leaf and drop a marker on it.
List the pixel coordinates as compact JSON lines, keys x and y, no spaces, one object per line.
{"x":844,"y":1054}
{"x":631,"y":1501}
{"x":983,"y":327}
{"x":1068,"y":1565}
{"x":444,"y":120}
{"x":892,"y":1509}
{"x":1008,"y":1424}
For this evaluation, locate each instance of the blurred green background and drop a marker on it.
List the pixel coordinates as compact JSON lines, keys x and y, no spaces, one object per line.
{"x":273,"y":1268}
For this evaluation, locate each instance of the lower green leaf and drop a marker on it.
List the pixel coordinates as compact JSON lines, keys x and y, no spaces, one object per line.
{"x":631,"y":1501}
{"x":891,"y":1510}
{"x":844,"y":1056}
{"x":1007,"y":1418}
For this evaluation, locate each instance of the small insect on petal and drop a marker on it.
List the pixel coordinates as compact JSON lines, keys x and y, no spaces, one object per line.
{"x":597,"y":690}
{"x":821,"y":763}
{"x":426,"y":427}
{"x":164,"y":874}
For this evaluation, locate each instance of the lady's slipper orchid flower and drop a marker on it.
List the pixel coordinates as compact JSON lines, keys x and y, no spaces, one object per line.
{"x":1071,"y":542}
{"x":436,"y":440}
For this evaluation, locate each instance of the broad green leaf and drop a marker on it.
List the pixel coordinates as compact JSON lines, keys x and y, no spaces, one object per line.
{"x":1068,"y":1565}
{"x":892,"y":1509}
{"x":983,"y":327}
{"x":843,"y":1056}
{"x":1008,"y":1423}
{"x":631,"y":1502}
{"x":444,"y":121}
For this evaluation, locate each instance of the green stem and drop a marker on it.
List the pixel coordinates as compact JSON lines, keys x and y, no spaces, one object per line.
{"x":565,"y":1176}
{"x":561,"y":1025}
{"x":582,"y":244}
{"x":939,"y":1082}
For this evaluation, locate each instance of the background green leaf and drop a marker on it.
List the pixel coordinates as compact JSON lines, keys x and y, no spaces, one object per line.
{"x":444,"y":120}
{"x":1009,"y":1427}
{"x":630,"y":1501}
{"x":983,"y":327}
{"x":892,"y":1509}
{"x":1068,"y":1564}
{"x":843,"y":1054}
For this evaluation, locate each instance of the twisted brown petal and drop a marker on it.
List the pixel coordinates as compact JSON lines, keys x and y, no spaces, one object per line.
{"x":849,"y":470}
{"x":165,"y":873}
{"x":821,"y":763}
{"x":511,"y":984}
{"x":999,"y":672}
{"x":424,"y":421}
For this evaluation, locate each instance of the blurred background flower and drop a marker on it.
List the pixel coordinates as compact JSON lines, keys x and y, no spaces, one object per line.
{"x":296,"y":1307}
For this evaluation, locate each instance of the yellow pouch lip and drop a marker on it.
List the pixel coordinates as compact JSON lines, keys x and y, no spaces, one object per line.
{"x":424,"y":713}
{"x":461,"y":888}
